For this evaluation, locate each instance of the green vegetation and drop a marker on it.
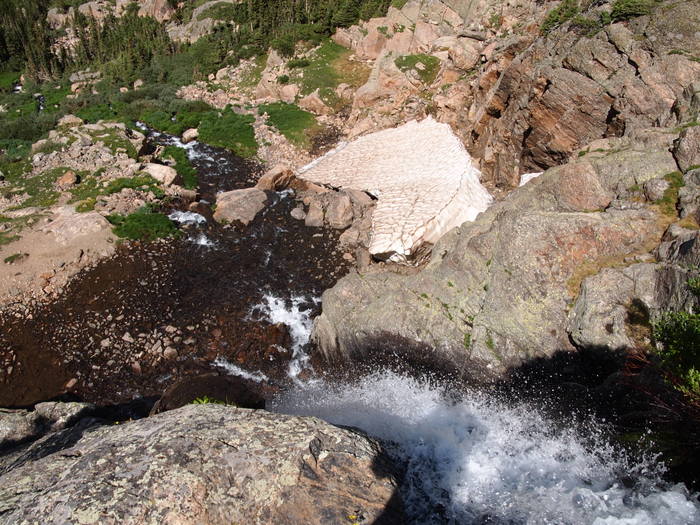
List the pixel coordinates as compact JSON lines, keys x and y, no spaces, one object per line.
{"x":626,"y":9}
{"x":145,"y":224}
{"x":16,"y":257}
{"x":668,"y":202}
{"x":293,"y":122}
{"x":231,"y":131}
{"x":206,"y":400}
{"x":182,"y":166}
{"x":426,"y":66}
{"x":591,"y":23}
{"x":679,"y":333}
{"x":560,"y":14}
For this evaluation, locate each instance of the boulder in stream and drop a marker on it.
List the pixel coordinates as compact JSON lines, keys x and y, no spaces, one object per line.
{"x":239,"y":205}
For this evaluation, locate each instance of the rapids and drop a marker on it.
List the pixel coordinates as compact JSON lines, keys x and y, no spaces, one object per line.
{"x":472,"y":458}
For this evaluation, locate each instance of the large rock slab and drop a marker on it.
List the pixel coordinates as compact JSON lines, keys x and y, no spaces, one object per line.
{"x":239,"y":205}
{"x":423,"y":178}
{"x":203,"y":464}
{"x":498,"y":291}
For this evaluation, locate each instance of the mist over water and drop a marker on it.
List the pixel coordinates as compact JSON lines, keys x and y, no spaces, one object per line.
{"x":475,"y":459}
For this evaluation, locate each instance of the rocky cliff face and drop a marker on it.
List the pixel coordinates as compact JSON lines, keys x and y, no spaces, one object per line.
{"x":507,"y":287}
{"x":523,"y":102}
{"x":201,"y":464}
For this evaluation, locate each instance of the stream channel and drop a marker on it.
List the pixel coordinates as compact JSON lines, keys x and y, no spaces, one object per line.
{"x":240,"y":301}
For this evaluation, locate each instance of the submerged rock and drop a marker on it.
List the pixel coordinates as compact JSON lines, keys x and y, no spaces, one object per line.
{"x":423,"y":179}
{"x":203,"y":464}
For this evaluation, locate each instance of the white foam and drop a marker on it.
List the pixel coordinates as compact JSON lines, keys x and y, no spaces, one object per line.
{"x":298,"y":321}
{"x":235,"y":370}
{"x":202,"y":240}
{"x":187,"y":217}
{"x":485,"y":461}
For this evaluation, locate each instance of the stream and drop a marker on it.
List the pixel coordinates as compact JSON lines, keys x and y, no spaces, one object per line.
{"x":241,"y":301}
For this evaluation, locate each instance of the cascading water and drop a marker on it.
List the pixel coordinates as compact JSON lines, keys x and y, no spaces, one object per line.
{"x":476,"y":459}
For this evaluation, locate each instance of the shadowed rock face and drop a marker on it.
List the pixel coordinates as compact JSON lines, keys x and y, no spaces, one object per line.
{"x":422,"y":176}
{"x":204,"y":464}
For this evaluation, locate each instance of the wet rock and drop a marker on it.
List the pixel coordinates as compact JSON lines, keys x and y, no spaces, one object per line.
{"x":170,"y":353}
{"x":163,"y":174}
{"x":190,"y":135}
{"x":239,"y":205}
{"x":207,"y":463}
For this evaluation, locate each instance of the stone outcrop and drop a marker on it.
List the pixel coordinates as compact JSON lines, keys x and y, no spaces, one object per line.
{"x":522,"y":102}
{"x":202,"y":464}
{"x":19,"y":426}
{"x":499,"y":290}
{"x":422,"y":177}
{"x":163,"y":174}
{"x":239,"y":205}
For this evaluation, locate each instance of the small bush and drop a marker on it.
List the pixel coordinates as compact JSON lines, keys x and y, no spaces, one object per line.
{"x":283,"y":79}
{"x":298,"y":63}
{"x":626,"y":9}
{"x":679,"y":332}
{"x":560,"y":14}
{"x":144,"y":225}
{"x":668,"y":202}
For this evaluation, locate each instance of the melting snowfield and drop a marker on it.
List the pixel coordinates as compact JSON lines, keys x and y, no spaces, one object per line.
{"x":478,"y":460}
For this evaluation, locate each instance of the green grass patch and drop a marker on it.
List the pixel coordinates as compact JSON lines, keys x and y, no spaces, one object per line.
{"x":40,"y":188}
{"x":252,"y":76}
{"x":426,"y":66}
{"x":231,"y":131}
{"x":329,"y":67}
{"x":145,"y":225}
{"x":183,"y":166}
{"x":206,"y":400}
{"x":143,"y":183}
{"x":8,"y":79}
{"x":668,"y":202}
{"x":292,"y":121}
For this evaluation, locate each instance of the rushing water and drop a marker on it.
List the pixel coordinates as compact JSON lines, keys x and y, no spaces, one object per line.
{"x":470,"y":457}
{"x":474,"y":459}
